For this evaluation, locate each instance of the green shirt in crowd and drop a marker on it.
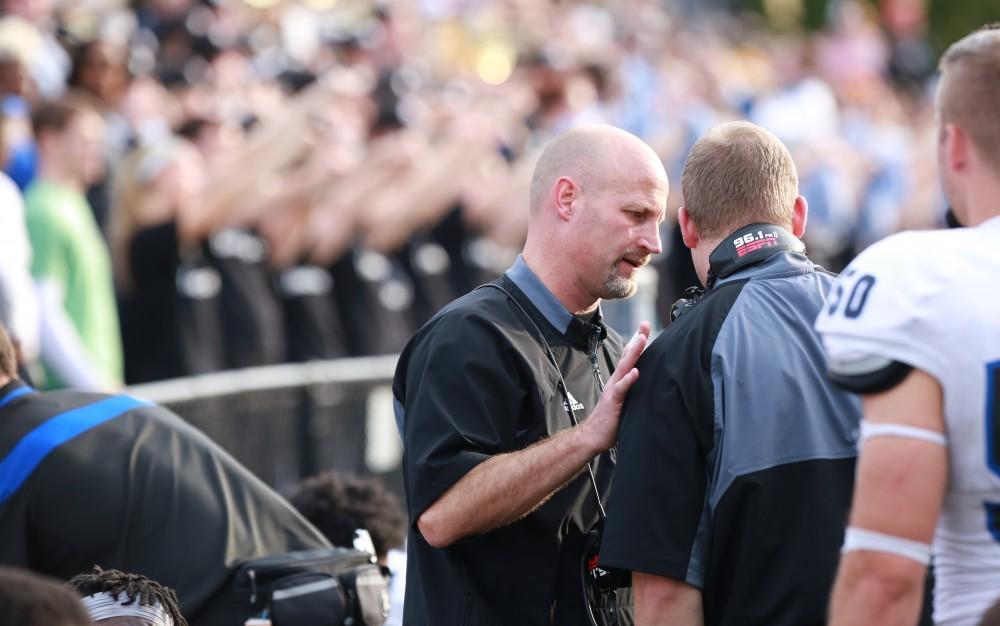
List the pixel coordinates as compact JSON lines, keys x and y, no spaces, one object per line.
{"x":69,"y":250}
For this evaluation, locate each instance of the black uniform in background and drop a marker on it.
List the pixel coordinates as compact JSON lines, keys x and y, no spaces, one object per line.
{"x":454,"y":235}
{"x":675,"y":272}
{"x":426,"y":263}
{"x":374,"y":296}
{"x":170,"y":315}
{"x":312,"y":322}
{"x":252,"y":326}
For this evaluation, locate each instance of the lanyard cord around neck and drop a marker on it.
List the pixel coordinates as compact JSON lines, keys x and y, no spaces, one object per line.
{"x":563,"y":389}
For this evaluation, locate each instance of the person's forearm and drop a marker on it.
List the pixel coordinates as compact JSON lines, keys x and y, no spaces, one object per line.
{"x":256,"y":176}
{"x":866,"y":593}
{"x":361,"y":182}
{"x":430,"y":190}
{"x":334,"y":220}
{"x":899,"y":489}
{"x":665,"y":602}
{"x":505,"y":488}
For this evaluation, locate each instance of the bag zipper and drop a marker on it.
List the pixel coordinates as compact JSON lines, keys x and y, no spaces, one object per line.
{"x":279,"y":567}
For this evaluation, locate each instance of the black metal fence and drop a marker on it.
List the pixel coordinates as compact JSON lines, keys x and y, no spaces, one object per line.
{"x":287,"y":422}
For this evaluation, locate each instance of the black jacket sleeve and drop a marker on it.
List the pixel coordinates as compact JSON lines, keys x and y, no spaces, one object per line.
{"x":656,"y":512}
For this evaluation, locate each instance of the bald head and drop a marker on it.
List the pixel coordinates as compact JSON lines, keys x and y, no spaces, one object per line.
{"x":598,"y":197}
{"x":590,"y":155}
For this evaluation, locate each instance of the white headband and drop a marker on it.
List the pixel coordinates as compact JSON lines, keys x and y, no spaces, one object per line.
{"x":104,"y":605}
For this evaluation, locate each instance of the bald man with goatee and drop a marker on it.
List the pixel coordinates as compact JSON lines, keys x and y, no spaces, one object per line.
{"x":508,"y":394}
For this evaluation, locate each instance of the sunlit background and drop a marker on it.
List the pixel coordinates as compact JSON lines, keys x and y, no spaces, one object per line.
{"x":308,"y":181}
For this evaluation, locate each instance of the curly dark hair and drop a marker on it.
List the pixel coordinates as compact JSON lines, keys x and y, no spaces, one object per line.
{"x":136,"y":587}
{"x":338,"y":504}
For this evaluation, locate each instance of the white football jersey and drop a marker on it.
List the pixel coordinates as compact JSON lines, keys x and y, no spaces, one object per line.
{"x":931,"y":300}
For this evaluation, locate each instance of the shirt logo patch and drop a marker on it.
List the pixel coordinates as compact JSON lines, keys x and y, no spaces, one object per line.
{"x":575,"y":404}
{"x":751,"y":242}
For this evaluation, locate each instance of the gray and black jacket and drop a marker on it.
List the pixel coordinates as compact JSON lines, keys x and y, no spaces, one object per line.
{"x":736,"y":455}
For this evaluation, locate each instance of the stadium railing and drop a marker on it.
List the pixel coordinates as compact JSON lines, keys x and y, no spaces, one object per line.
{"x":286,"y":422}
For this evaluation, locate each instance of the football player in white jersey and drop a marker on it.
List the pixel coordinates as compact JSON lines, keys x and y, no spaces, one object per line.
{"x":914,"y":326}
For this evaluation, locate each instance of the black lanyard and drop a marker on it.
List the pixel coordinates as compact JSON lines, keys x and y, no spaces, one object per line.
{"x":563,"y":389}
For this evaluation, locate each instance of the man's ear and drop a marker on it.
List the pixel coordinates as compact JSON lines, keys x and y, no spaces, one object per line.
{"x":567,"y":193}
{"x":956,"y":148}
{"x":689,"y":232}
{"x":800,"y":216}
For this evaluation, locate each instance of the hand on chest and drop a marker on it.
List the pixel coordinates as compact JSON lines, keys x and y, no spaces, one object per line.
{"x":584,"y":383}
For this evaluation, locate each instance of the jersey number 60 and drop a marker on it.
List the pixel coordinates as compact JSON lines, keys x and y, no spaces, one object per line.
{"x":859,"y":295}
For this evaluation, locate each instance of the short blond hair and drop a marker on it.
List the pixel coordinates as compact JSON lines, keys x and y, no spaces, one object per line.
{"x":970,"y":89}
{"x":737,"y":174}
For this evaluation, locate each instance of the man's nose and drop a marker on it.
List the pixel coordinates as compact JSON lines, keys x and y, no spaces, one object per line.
{"x":650,"y":239}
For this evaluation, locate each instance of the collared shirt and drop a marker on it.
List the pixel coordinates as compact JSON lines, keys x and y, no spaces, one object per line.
{"x":476,"y":382}
{"x":543,"y":299}
{"x":548,"y":306}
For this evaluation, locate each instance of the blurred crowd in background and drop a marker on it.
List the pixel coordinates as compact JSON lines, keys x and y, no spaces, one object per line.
{"x":215,"y":184}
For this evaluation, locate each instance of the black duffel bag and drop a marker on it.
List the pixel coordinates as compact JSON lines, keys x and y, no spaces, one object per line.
{"x":329,"y":587}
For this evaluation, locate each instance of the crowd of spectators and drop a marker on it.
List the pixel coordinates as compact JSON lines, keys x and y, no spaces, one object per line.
{"x":249,"y":182}
{"x":199,"y":185}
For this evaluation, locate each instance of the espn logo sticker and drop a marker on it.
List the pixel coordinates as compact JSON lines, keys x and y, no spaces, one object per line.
{"x":751,"y":242}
